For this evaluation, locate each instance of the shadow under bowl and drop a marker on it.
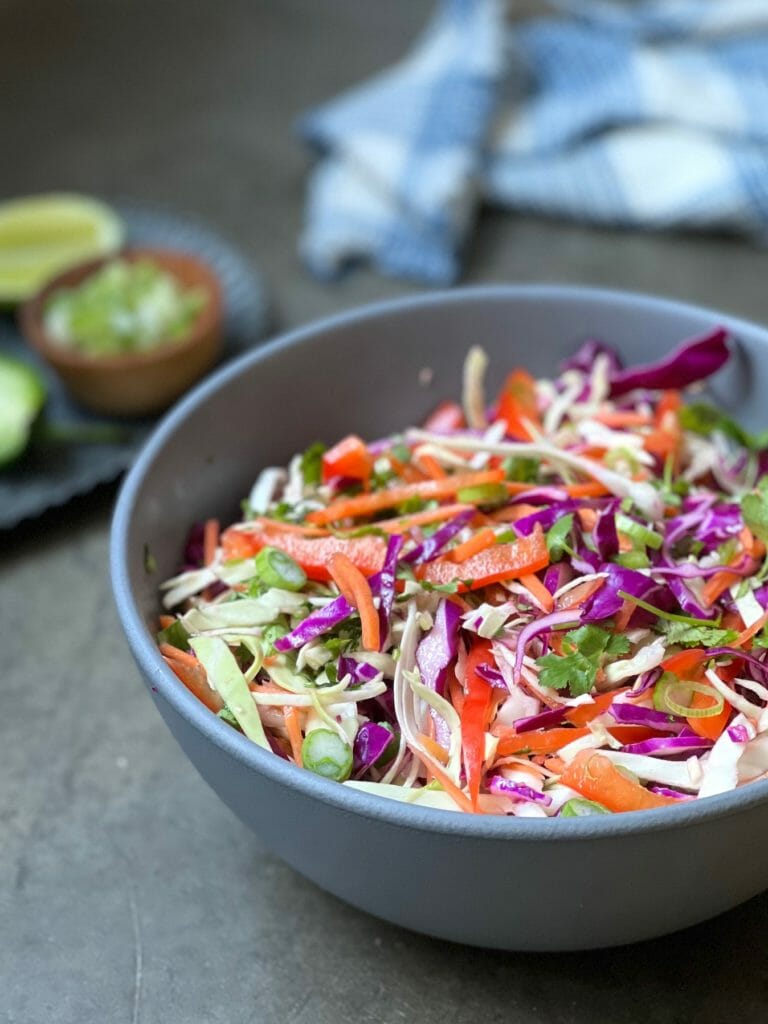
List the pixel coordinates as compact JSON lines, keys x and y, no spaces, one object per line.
{"x":503,"y":882}
{"x":141,"y":383}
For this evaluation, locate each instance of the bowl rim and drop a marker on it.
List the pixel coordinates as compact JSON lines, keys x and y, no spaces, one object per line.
{"x":382,"y":809}
{"x":30,"y":314}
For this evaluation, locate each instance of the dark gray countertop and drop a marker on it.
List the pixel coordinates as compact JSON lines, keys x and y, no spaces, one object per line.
{"x":127,"y":891}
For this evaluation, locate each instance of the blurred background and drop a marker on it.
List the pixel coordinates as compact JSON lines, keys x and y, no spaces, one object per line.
{"x":123,"y":878}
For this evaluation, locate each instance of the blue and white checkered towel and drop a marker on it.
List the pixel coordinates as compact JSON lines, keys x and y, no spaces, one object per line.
{"x":652,"y":116}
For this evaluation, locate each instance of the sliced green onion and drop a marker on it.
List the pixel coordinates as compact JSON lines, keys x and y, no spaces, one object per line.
{"x":639,"y":533}
{"x":578,"y":808}
{"x":633,"y":560}
{"x":484,"y":494}
{"x":325,"y":753}
{"x":277,"y":569}
{"x":669,"y":616}
{"x":664,"y":700}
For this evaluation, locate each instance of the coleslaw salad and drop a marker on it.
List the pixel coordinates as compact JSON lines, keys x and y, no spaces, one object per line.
{"x":549,"y":604}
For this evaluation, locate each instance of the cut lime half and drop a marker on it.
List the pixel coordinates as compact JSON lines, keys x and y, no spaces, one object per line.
{"x":42,"y":235}
{"x":22,"y":396}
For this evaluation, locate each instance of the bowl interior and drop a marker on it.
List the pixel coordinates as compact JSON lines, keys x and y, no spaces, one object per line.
{"x":373,"y":372}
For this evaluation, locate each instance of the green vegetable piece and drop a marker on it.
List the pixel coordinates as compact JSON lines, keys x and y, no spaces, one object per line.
{"x":701,"y":418}
{"x":669,"y":688}
{"x":401,"y":452}
{"x":666,"y":616}
{"x":272,"y":633}
{"x":176,"y":635}
{"x":585,"y":649}
{"x":484,"y":494}
{"x":754,"y":509}
{"x":557,"y":537}
{"x":632,"y":560}
{"x":578,"y":808}
{"x":277,"y":569}
{"x":125,"y":306}
{"x":312,"y":464}
{"x":524,"y":471}
{"x":325,"y":753}
{"x":224,"y":674}
{"x":637,"y":532}
{"x":22,"y":396}
{"x":698,"y":636}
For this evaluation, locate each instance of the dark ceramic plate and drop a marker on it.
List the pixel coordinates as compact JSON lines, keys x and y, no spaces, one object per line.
{"x":51,"y":474}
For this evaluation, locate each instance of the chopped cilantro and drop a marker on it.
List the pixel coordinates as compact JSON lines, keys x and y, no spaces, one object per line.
{"x":524,"y":471}
{"x":754,"y":509}
{"x":401,"y":452}
{"x":584,"y":650}
{"x":698,"y":636}
{"x":701,"y":418}
{"x":312,"y":464}
{"x":557,"y":537}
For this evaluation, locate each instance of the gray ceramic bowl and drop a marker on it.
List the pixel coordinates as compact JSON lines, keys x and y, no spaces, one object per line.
{"x":509,"y":883}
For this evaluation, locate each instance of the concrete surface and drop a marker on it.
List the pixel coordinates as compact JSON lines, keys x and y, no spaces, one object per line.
{"x":127,"y":891}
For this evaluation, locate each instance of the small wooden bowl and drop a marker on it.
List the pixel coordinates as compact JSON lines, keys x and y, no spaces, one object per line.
{"x":133,"y":384}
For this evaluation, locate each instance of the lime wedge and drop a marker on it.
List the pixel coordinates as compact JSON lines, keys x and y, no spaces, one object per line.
{"x":43,"y":235}
{"x":22,"y":396}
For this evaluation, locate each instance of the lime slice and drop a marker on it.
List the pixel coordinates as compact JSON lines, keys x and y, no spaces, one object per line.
{"x":43,"y":235}
{"x":22,"y":396}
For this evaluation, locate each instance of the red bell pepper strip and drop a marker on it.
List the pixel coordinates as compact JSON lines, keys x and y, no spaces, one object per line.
{"x":493,"y":565}
{"x":312,"y":553}
{"x":474,"y":717}
{"x":349,"y":458}
{"x":518,"y":403}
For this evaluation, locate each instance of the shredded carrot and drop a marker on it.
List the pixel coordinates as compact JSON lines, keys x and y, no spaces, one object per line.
{"x":399,"y":524}
{"x":435,"y":749}
{"x":621,"y":418}
{"x":512,"y":513}
{"x":455,"y":693}
{"x":166,"y":621}
{"x":577,"y":596}
{"x":176,"y":653}
{"x":718,"y":584}
{"x":377,"y":501}
{"x":624,"y":615}
{"x":588,"y":518}
{"x":293,"y":725}
{"x":357,"y":590}
{"x":210,"y":540}
{"x":192,"y":674}
{"x":539,"y":592}
{"x":584,"y":713}
{"x":596,"y":778}
{"x":458,"y":796}
{"x":746,"y":635}
{"x":431,"y":467}
{"x":477,"y":542}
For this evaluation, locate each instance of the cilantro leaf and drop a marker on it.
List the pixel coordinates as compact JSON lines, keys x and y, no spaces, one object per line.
{"x":557,"y":536}
{"x":312,"y":464}
{"x":584,"y":649}
{"x":754,"y":509}
{"x":698,"y":636}
{"x":524,"y":471}
{"x":761,"y":640}
{"x":701,"y":418}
